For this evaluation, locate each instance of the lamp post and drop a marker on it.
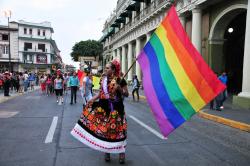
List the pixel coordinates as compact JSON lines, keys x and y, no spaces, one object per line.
{"x":7,"y":14}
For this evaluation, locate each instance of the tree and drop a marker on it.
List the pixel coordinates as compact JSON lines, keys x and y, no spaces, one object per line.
{"x":86,"y":48}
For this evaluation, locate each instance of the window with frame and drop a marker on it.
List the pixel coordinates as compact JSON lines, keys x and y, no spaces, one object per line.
{"x":41,"y":47}
{"x":38,"y":32}
{"x":25,"y":30}
{"x":5,"y":49}
{"x":5,"y":37}
{"x":30,"y":30}
{"x":27,"y":46}
{"x":43,"y":32}
{"x":1,"y":50}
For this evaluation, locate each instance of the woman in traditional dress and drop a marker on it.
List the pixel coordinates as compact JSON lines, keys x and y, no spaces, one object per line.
{"x":103,"y":125}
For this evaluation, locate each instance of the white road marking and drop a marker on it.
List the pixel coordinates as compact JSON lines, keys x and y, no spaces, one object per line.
{"x":7,"y":114}
{"x":147,"y":127}
{"x":52,"y":129}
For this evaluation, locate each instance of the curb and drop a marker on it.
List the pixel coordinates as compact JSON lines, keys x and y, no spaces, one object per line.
{"x":4,"y":99}
{"x":228,"y":122}
{"x":218,"y":119}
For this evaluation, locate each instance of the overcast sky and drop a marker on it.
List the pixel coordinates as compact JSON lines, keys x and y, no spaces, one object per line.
{"x":72,"y":20}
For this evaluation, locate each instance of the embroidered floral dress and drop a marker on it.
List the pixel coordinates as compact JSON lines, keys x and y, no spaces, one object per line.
{"x":103,"y":127}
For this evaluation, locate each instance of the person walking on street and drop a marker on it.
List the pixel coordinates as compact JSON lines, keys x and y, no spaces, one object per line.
{"x":42,"y":81}
{"x":135,"y":86}
{"x":58,"y":85}
{"x":86,"y":88}
{"x":6,"y":83}
{"x":103,"y":125}
{"x":223,"y":79}
{"x":21,"y":82}
{"x":32,"y":81}
{"x":74,"y":84}
{"x":48,"y":85}
{"x":26,"y":81}
{"x":65,"y":83}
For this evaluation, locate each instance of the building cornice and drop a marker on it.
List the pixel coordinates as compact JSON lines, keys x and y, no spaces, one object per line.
{"x":34,"y":39}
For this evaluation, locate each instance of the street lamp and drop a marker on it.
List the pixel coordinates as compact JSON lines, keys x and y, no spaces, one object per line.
{"x":7,"y":14}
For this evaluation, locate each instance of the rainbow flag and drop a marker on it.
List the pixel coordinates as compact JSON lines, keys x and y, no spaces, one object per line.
{"x":80,"y":75}
{"x":177,"y":81}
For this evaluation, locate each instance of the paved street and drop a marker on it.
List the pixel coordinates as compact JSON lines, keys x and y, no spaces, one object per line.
{"x":26,"y":123}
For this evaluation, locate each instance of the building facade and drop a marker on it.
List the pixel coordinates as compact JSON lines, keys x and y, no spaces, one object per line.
{"x":7,"y":60}
{"x":36,"y":51}
{"x":219,"y":29}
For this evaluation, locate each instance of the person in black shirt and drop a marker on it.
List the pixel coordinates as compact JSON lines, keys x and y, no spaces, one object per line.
{"x":6,"y":83}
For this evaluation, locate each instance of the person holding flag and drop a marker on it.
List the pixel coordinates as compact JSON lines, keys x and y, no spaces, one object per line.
{"x":102,"y":125}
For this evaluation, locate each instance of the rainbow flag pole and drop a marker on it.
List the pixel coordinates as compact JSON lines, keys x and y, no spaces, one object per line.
{"x":177,"y":81}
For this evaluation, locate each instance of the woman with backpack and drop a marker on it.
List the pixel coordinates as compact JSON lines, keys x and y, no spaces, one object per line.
{"x":135,"y":86}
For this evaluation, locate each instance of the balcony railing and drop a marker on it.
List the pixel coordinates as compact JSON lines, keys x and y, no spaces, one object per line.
{"x":145,"y":13}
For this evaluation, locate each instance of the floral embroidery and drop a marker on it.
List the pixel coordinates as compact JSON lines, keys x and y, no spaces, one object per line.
{"x":110,"y":126}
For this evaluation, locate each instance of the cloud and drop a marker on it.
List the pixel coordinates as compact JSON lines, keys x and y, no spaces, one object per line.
{"x":45,"y":5}
{"x":49,"y":4}
{"x":72,"y":20}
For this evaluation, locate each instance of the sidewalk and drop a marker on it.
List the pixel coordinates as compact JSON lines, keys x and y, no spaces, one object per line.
{"x":231,"y":115}
{"x":14,"y":94}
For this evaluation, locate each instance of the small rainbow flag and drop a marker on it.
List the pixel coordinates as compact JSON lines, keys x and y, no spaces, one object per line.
{"x":177,"y":81}
{"x":80,"y":75}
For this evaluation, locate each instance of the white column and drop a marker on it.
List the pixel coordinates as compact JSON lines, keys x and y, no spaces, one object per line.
{"x":127,"y":20}
{"x":246,"y":67}
{"x":123,"y":59}
{"x":133,"y":16}
{"x":183,"y":21}
{"x":130,"y":61}
{"x":114,"y":55}
{"x":137,"y":51}
{"x":196,"y":28}
{"x":34,"y":59}
{"x":119,"y":55}
{"x":48,"y":58}
{"x":148,"y":35}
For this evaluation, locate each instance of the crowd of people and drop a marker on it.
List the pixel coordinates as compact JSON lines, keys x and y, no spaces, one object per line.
{"x":103,"y":117}
{"x":18,"y":82}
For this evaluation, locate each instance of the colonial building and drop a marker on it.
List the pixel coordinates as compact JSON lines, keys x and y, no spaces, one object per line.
{"x":37,"y":51}
{"x":219,"y":29}
{"x":7,"y":60}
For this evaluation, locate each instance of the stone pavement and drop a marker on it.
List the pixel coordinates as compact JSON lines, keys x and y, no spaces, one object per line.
{"x":231,"y":115}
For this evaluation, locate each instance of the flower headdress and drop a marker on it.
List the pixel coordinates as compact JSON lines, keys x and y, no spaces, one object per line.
{"x":117,"y":65}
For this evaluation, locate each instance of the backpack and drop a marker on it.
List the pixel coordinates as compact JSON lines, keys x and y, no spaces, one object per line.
{"x":138,"y":84}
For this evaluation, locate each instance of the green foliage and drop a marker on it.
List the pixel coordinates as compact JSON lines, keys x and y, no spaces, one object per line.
{"x":86,"y":48}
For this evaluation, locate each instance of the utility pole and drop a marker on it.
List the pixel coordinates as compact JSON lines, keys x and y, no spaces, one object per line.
{"x":7,"y":14}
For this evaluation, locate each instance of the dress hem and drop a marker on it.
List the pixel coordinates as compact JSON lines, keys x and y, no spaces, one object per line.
{"x":95,"y":143}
